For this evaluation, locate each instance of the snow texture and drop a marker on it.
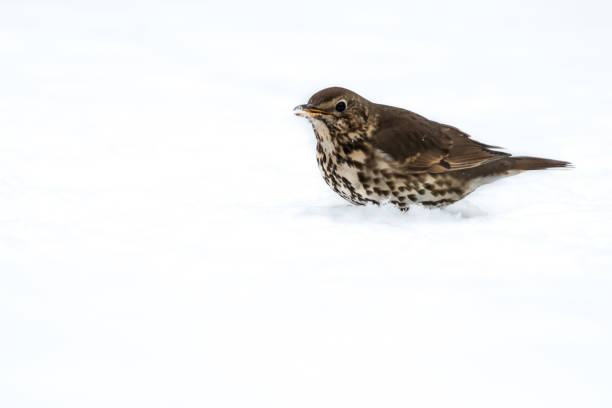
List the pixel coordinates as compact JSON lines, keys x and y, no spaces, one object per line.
{"x":166,"y":239}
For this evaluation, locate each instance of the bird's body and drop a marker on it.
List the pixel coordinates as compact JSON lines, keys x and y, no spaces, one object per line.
{"x":371,"y":153}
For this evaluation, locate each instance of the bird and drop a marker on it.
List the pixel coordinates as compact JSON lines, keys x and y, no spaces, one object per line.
{"x":370,"y":153}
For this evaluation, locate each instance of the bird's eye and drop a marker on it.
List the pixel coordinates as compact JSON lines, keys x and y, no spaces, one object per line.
{"x":340,"y":106}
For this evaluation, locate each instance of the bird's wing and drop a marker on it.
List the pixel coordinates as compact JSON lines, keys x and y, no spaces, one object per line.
{"x":416,"y":144}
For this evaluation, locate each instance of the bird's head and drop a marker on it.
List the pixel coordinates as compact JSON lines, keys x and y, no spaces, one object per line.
{"x":338,"y":108}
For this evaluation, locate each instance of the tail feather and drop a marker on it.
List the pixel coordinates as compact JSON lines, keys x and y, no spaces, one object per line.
{"x":536,"y":163}
{"x":508,"y":166}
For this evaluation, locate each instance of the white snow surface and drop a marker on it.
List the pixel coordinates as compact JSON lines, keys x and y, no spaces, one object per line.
{"x":166,"y":239}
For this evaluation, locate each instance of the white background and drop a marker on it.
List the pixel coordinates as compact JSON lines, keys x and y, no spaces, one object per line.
{"x":166,"y":238}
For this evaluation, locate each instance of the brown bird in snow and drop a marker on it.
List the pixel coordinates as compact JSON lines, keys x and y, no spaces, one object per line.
{"x":371,"y":153}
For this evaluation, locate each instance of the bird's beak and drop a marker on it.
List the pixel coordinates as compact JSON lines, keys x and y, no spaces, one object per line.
{"x":308,"y":111}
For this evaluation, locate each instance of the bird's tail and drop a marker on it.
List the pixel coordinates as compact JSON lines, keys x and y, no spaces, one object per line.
{"x":535,"y":163}
{"x":509,"y":166}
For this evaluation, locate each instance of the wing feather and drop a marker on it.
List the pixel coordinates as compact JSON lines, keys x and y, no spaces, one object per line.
{"x":416,"y":144}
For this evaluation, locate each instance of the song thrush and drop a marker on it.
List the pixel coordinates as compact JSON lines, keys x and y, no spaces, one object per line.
{"x":371,"y":153}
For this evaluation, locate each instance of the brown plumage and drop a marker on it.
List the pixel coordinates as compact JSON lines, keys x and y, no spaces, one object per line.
{"x":369,"y":153}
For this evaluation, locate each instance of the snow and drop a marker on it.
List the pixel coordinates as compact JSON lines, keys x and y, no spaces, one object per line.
{"x":166,"y":238}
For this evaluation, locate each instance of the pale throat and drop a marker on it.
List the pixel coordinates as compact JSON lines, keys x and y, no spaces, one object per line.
{"x":323,"y":136}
